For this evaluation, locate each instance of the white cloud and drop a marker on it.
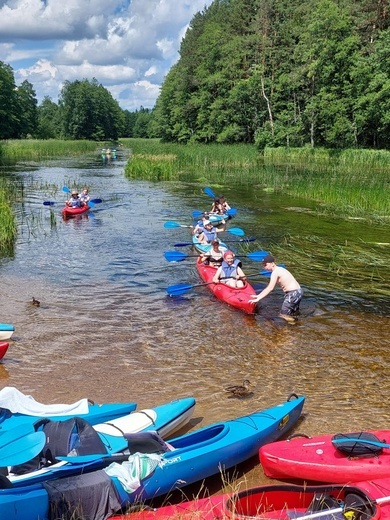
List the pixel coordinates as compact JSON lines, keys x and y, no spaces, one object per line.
{"x":121,"y":43}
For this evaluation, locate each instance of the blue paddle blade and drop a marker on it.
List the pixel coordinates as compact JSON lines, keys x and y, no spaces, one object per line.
{"x":22,"y":449}
{"x":96,"y":201}
{"x":175,"y":256}
{"x":197,"y":214}
{"x":232,"y":212}
{"x":178,"y":290}
{"x":209,"y":192}
{"x":91,"y":204}
{"x":170,"y":224}
{"x":236,"y":231}
{"x":257,"y":255}
{"x":65,"y":189}
{"x":48,"y":203}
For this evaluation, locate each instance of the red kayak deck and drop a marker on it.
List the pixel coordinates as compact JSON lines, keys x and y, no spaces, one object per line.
{"x":238,"y":298}
{"x":3,"y":348}
{"x":281,"y":502}
{"x":71,"y":212}
{"x":316,"y":459}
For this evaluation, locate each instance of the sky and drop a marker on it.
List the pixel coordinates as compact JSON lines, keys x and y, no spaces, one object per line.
{"x":127,"y":45}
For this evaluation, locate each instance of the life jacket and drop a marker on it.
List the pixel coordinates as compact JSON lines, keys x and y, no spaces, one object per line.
{"x":210,"y":235}
{"x":229,"y":270}
{"x":74,"y":203}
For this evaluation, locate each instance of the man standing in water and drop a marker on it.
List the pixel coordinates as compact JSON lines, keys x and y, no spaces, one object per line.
{"x":291,"y":288}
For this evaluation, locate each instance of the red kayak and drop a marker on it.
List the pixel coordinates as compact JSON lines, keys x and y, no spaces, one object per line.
{"x":71,"y":212}
{"x":238,"y":298}
{"x":340,"y":458}
{"x":368,"y":500}
{"x":3,"y":348}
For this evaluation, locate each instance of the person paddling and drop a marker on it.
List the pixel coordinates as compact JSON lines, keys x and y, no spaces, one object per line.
{"x":74,"y":201}
{"x":209,"y":233}
{"x":291,"y":288}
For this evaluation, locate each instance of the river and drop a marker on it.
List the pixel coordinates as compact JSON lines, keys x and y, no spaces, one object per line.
{"x":106,"y":328}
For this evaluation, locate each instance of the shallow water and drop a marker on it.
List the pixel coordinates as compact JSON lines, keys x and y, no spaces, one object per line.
{"x":107,"y":330}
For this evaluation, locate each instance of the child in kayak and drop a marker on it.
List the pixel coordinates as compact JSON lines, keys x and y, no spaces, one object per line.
{"x":214,"y":257}
{"x":209,"y":233}
{"x":84,"y":196}
{"x":231,"y":270}
{"x":74,"y":201}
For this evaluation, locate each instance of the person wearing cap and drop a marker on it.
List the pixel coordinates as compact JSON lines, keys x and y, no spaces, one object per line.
{"x":230,"y":271}
{"x":214,"y":256}
{"x":74,"y":201}
{"x":199,"y":227}
{"x":291,"y":288}
{"x":209,"y":233}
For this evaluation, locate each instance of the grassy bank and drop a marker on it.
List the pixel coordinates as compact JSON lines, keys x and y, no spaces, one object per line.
{"x":36,"y":149}
{"x":350,"y":183}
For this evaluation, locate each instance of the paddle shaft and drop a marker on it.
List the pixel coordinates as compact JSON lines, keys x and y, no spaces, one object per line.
{"x":327,"y":512}
{"x":244,"y":240}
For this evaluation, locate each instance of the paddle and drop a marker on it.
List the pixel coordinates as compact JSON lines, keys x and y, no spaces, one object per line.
{"x":181,"y":288}
{"x":232,"y":212}
{"x":20,"y":450}
{"x":326,"y":512}
{"x":209,"y":192}
{"x":178,"y":256}
{"x":244,"y":240}
{"x":84,"y":459}
{"x":171,"y":225}
{"x":358,"y":441}
{"x":91,"y":203}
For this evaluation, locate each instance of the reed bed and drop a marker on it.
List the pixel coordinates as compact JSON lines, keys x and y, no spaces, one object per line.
{"x":8,"y":229}
{"x":38,"y":149}
{"x":347,"y":184}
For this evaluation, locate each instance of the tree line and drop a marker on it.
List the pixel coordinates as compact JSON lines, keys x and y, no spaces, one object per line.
{"x":85,"y":110}
{"x":282,"y":73}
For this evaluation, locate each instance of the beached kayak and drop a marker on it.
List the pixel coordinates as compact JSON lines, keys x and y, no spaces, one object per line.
{"x":17,"y":408}
{"x":362,"y":500}
{"x":6,"y":331}
{"x":339,"y":458}
{"x":238,"y":298}
{"x":97,"y":443}
{"x":186,"y":459}
{"x":3,"y":348}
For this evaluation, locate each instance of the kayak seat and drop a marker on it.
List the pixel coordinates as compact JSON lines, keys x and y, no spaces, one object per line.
{"x":147,"y":442}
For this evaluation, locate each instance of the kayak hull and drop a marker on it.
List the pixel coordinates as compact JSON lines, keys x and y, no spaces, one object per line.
{"x":205,"y":248}
{"x":72,"y":212}
{"x":316,"y":459}
{"x":6,"y":331}
{"x":3,"y":348}
{"x":279,"y":501}
{"x":238,"y":298}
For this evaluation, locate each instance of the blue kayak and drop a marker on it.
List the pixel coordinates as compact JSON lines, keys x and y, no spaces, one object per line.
{"x":6,"y":331}
{"x":190,"y":458}
{"x":205,"y":248}
{"x":107,"y":438}
{"x":95,"y":413}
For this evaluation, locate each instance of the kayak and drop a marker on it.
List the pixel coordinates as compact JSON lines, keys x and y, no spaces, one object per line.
{"x":108,"y":438}
{"x":205,"y":248}
{"x":283,"y":502}
{"x":319,"y":459}
{"x":17,"y":408}
{"x":72,"y":212}
{"x":236,"y":297}
{"x":6,"y":331}
{"x":3,"y":348}
{"x":190,"y":458}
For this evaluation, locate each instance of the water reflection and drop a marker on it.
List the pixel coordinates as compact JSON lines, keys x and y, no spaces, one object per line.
{"x":106,"y":328}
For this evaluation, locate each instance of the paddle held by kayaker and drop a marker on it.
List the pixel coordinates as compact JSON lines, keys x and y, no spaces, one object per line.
{"x":291,"y":288}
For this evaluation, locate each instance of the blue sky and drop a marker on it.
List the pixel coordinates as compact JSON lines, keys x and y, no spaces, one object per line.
{"x":127,"y":45}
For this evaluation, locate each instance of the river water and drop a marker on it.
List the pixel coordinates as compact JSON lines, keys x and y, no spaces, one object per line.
{"x":106,"y":328}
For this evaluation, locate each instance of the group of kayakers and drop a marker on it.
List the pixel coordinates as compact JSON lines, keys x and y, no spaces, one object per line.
{"x":77,"y":200}
{"x":229,"y":269}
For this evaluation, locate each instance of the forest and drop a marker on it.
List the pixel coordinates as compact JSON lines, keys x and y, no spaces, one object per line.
{"x":277,"y":73}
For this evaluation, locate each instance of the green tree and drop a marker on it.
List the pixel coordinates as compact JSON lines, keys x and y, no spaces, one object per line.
{"x":8,"y":108}
{"x":49,"y":120}
{"x":26,"y":103}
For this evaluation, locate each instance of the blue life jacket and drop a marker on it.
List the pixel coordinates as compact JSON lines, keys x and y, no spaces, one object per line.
{"x":210,"y":235}
{"x":229,"y":270}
